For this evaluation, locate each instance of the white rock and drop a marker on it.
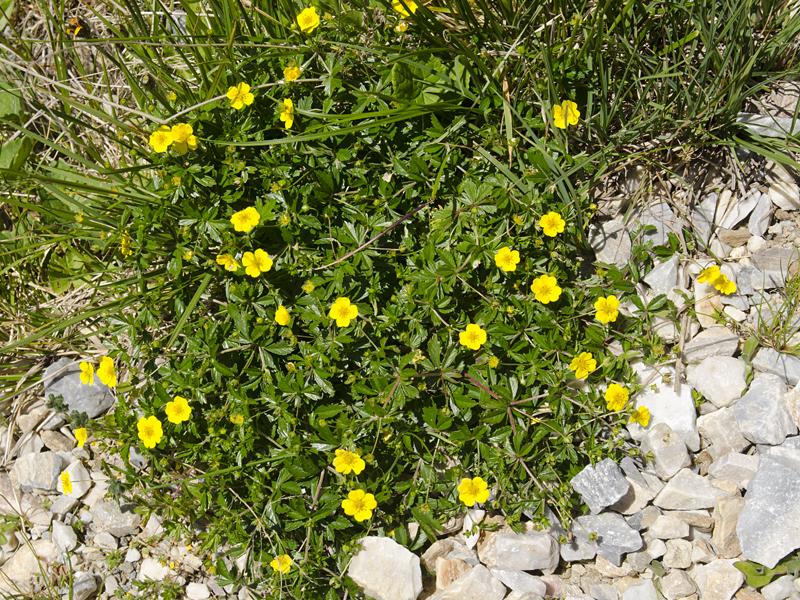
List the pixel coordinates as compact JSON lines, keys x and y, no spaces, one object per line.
{"x":520,"y":581}
{"x":64,"y":537}
{"x":737,"y":209}
{"x":108,"y":516}
{"x":132,"y":555}
{"x":678,"y":555}
{"x":792,"y":399}
{"x":642,"y":591}
{"x":714,"y":341}
{"x":18,"y":573}
{"x":660,"y":215}
{"x":655,"y":548}
{"x":478,"y":584}
{"x":643,"y":488}
{"x":785,"y":366}
{"x":386,"y":570}
{"x":735,"y":467}
{"x":783,"y":189}
{"x":774,"y":266}
{"x":152,"y":570}
{"x":664,"y":276}
{"x":520,"y":552}
{"x":726,"y":517}
{"x":719,"y":378}
{"x":37,"y":471}
{"x":707,"y":304}
{"x":110,"y":586}
{"x":769,"y":524}
{"x":677,"y":584}
{"x":718,"y":580}
{"x":523,"y":596}
{"x":667,"y":448}
{"x":676,"y":410}
{"x":780,"y":589}
{"x":447,"y":548}
{"x":80,"y":479}
{"x":153,"y":527}
{"x":602,"y":591}
{"x":105,"y":541}
{"x":760,"y":217}
{"x":611,"y":533}
{"x":720,"y":432}
{"x":197,"y":591}
{"x":611,"y":242}
{"x":762,"y":414}
{"x":769,"y":125}
{"x":84,"y":586}
{"x":702,"y":552}
{"x":687,"y":491}
{"x":600,"y":485}
{"x":735,"y":314}
{"x":669,"y":527}
{"x":469,"y":530}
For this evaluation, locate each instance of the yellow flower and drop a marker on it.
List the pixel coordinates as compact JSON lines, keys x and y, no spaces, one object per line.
{"x":343,"y":311}
{"x":281,"y":564}
{"x":565,"y":114}
{"x":106,"y":372}
{"x":709,"y":275}
{"x":182,"y":138}
{"x":240,"y":96}
{"x":606,"y":309}
{"x":245,"y":220}
{"x":725,"y":285}
{"x":172,"y":96}
{"x":359,"y":505}
{"x":161,"y":139}
{"x":291,"y":73}
{"x":282,"y":316}
{"x":187,"y":254}
{"x":406,"y":8}
{"x":66,"y":483}
{"x":472,"y":337}
{"x":227,"y":261}
{"x":178,"y":410}
{"x":641,"y":416}
{"x":236,"y":419}
{"x":308,"y":19}
{"x":473,"y":490}
{"x":87,"y":373}
{"x":507,"y":259}
{"x":545,"y":288}
{"x":150,"y":431}
{"x":287,"y":114}
{"x":308,"y":287}
{"x":346,"y":462}
{"x":256,"y":263}
{"x":616,"y":397}
{"x":583,"y":364}
{"x":493,"y":362}
{"x":125,"y":243}
{"x":712,"y":276}
{"x":81,"y":435}
{"x":401,"y":27}
{"x":552,"y":224}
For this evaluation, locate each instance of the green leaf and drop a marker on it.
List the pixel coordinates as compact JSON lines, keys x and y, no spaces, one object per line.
{"x":11,"y":107}
{"x":14,"y":153}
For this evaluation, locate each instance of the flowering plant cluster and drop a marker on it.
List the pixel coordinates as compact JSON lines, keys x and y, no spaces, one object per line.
{"x":350,"y":319}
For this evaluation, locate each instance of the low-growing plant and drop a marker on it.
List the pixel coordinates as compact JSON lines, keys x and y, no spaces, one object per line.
{"x":339,"y":257}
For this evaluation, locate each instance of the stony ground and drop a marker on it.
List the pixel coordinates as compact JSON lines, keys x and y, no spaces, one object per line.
{"x":718,"y":481}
